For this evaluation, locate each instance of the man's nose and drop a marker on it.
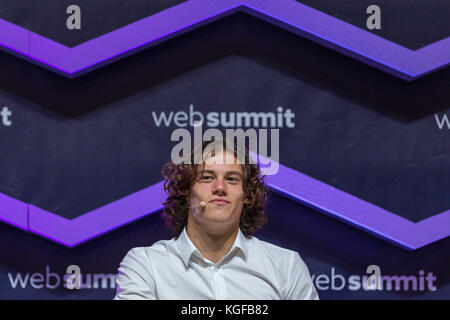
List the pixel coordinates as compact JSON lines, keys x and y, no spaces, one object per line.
{"x":219,"y":187}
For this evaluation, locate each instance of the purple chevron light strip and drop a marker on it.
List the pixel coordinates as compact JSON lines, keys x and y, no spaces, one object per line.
{"x":288,"y":182}
{"x":14,"y":212}
{"x":289,"y":14}
{"x":99,"y":221}
{"x":359,"y":213}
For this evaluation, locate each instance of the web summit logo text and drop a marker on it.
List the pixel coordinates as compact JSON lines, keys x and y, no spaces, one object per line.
{"x":282,"y":117}
{"x":375,"y":281}
{"x":73,"y":279}
{"x":257,"y":140}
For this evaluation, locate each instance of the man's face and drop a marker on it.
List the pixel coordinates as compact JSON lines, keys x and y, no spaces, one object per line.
{"x":220,"y":186}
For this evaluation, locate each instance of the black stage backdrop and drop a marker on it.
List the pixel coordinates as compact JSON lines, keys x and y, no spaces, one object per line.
{"x":76,"y":145}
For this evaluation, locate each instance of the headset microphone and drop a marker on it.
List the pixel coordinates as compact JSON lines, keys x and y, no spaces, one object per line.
{"x":195,"y":211}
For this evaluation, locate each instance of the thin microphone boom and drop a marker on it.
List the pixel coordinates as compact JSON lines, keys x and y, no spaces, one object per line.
{"x":195,"y":210}
{"x":202,"y":204}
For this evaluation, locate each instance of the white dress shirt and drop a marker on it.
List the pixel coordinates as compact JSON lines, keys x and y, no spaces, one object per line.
{"x":252,"y":270}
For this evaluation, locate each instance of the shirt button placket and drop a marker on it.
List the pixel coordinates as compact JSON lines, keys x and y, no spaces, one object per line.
{"x":219,"y":284}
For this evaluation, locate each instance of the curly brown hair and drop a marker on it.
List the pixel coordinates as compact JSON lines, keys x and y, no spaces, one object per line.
{"x":180,"y":177}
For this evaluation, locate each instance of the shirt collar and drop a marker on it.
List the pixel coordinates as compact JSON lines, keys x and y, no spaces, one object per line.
{"x":186,"y":248}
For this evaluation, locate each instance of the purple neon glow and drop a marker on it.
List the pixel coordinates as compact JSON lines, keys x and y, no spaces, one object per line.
{"x":288,"y":182}
{"x":14,"y":38}
{"x":359,"y":213}
{"x":289,"y":14}
{"x":13,"y":212}
{"x":99,"y":221}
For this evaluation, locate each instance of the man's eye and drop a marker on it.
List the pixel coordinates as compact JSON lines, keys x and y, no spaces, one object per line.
{"x":233,"y":179}
{"x":206,"y":178}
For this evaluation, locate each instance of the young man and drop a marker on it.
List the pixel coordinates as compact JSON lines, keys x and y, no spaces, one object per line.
{"x":214,"y":208}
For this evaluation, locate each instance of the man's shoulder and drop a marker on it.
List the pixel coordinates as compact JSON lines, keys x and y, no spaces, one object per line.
{"x":292,"y":270}
{"x":273,"y":250}
{"x":159,"y":248}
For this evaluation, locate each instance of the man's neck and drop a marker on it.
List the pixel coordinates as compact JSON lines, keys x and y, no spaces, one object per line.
{"x":212,"y":245}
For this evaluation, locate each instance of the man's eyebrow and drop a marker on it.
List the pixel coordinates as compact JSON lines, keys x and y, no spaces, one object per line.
{"x":226,"y":173}
{"x":234,"y":172}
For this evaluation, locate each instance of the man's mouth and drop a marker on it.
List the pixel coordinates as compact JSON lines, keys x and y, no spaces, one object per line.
{"x":220,"y":201}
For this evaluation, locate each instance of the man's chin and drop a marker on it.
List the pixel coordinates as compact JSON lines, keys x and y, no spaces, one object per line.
{"x":217,"y":221}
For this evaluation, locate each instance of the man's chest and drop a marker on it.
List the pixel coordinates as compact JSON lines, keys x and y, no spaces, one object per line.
{"x":235,"y":283}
